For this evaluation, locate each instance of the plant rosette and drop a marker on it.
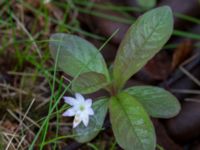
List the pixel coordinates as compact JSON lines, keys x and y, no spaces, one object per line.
{"x":130,"y":109}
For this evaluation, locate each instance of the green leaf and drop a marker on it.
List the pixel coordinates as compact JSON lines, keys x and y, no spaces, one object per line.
{"x":158,"y":102}
{"x":131,"y":124}
{"x":141,"y":42}
{"x":146,"y":4}
{"x":89,"y":82}
{"x":74,"y":53}
{"x":85,"y":134}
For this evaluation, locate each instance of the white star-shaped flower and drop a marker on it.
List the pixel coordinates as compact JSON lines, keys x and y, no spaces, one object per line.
{"x":81,"y":109}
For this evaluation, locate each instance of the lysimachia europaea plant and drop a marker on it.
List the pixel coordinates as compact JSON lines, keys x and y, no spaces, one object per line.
{"x":129,"y":108}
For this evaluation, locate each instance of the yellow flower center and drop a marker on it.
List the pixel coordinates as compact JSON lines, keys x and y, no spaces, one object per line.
{"x":81,"y":108}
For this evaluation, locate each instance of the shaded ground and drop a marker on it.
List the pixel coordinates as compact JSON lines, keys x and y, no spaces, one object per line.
{"x":26,"y":69}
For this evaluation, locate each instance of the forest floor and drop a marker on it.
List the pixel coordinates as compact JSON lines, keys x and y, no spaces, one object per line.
{"x":31,"y":90}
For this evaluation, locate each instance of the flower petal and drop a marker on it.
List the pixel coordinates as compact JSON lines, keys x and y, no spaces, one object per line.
{"x":85,"y":120}
{"x":77,"y":121}
{"x":90,"y":111}
{"x":70,"y":112}
{"x":88,"y":102}
{"x":79,"y":97}
{"x":70,"y":100}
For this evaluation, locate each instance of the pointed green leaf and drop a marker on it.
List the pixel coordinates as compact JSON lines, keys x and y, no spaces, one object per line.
{"x":89,"y":82}
{"x":141,"y":42}
{"x":146,"y":4}
{"x":86,"y":134}
{"x":131,"y":124}
{"x":74,"y":53}
{"x":158,"y":102}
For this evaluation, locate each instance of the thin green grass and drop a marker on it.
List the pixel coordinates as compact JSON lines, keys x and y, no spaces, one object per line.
{"x":92,"y":146}
{"x":31,"y":58}
{"x":58,"y":118}
{"x":95,"y":13}
{"x":187,"y":35}
{"x":108,"y":17}
{"x":51,"y":99}
{"x":45,"y":122}
{"x":188,"y":18}
{"x":108,"y":6}
{"x":39,"y":65}
{"x":60,"y":23}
